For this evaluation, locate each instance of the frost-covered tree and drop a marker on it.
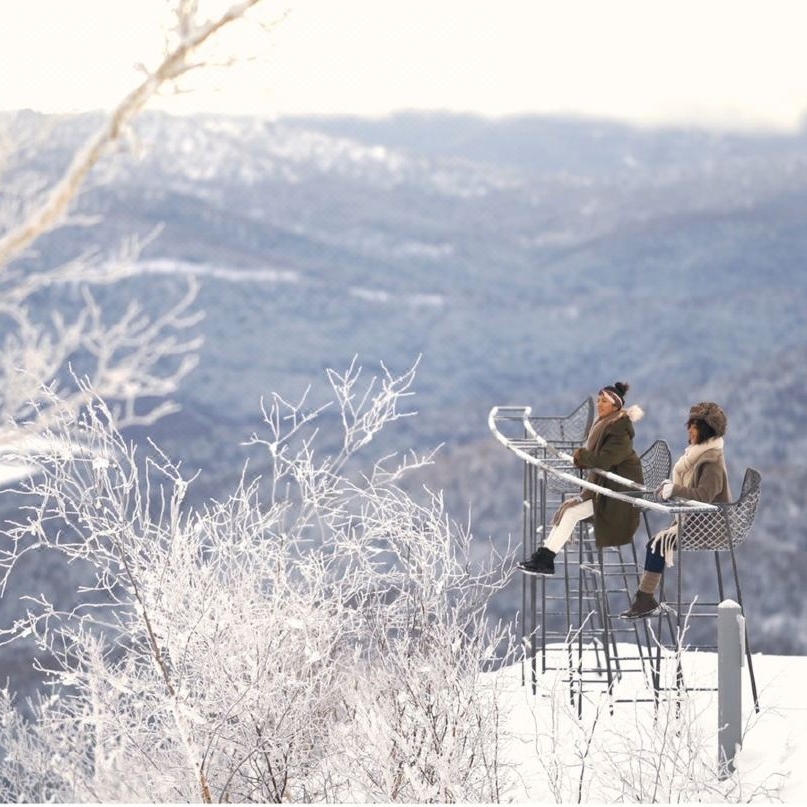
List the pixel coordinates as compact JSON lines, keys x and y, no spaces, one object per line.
{"x":258,"y":649}
{"x":317,"y":635}
{"x":133,"y":359}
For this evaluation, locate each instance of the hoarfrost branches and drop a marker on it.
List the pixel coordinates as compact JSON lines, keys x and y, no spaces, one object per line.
{"x":318,"y":635}
{"x":616,"y":751}
{"x":133,"y":359}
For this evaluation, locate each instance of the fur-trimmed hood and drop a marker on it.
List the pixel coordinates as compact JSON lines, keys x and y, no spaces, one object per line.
{"x":634,"y":412}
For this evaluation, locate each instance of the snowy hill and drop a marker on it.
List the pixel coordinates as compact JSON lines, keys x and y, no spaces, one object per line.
{"x":526,"y":260}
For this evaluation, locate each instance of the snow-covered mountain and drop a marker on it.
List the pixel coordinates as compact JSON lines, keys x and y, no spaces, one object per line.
{"x":526,"y":260}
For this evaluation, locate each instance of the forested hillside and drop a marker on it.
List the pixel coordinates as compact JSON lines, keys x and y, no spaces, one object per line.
{"x":523,"y":260}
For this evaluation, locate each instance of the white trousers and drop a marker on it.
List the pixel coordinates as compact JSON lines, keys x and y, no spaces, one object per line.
{"x":563,"y":530}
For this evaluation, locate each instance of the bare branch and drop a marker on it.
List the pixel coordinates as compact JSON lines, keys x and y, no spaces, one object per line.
{"x":176,"y":62}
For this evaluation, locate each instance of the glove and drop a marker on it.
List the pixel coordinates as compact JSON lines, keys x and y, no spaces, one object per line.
{"x":576,"y":457}
{"x":665,"y":489}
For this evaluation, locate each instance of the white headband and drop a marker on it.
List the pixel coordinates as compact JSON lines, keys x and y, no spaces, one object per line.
{"x":615,"y":398}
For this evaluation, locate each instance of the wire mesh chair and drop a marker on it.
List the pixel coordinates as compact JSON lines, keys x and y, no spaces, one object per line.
{"x":564,"y":434}
{"x":570,"y":430}
{"x":656,"y":464}
{"x":719,"y":530}
{"x":726,"y":528}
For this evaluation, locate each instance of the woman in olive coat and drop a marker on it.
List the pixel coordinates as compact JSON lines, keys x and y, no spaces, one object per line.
{"x":609,"y":447}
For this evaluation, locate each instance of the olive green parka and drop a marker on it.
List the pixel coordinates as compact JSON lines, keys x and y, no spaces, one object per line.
{"x":610,"y":448}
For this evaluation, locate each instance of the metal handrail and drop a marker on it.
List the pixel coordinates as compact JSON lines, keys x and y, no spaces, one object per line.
{"x":521,"y":446}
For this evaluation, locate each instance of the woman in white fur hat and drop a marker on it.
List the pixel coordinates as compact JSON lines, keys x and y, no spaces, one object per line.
{"x":609,"y":447}
{"x":700,"y":474}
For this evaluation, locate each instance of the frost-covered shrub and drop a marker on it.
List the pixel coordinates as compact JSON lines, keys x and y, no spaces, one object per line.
{"x":317,"y":635}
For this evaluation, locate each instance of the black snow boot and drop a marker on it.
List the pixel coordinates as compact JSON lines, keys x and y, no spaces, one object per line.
{"x":542,"y":562}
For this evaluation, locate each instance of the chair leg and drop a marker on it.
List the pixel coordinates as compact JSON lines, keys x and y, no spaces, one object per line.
{"x":527,"y":537}
{"x":747,"y":644}
{"x":604,"y":616}
{"x":721,"y":594}
{"x":679,"y":670}
{"x":647,"y":645}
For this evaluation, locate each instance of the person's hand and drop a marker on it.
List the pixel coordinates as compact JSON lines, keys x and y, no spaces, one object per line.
{"x":576,"y":457}
{"x":665,"y":489}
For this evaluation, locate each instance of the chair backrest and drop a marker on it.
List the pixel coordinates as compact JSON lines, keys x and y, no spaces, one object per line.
{"x":727,"y":527}
{"x":570,"y":430}
{"x":566,"y":434}
{"x":656,"y":464}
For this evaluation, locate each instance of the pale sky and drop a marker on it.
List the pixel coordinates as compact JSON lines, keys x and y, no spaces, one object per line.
{"x":723,"y":62}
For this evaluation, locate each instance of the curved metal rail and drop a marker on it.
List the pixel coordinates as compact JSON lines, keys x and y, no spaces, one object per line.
{"x":562,"y":455}
{"x":522,"y":446}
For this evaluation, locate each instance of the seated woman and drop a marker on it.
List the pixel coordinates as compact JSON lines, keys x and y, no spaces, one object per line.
{"x":609,"y":447}
{"x":700,"y":474}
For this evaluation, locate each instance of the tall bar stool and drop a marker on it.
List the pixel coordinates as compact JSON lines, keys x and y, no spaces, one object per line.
{"x":543,"y":494}
{"x":719,"y":531}
{"x":612,"y":575}
{"x":578,"y":605}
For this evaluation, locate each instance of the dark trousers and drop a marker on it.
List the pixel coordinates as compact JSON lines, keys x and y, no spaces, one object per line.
{"x":653,"y":561}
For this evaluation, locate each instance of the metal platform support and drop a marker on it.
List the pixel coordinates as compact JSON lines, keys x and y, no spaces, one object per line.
{"x":577,"y":610}
{"x":606,"y":580}
{"x":582,"y":638}
{"x":546,"y":608}
{"x":571,"y":613}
